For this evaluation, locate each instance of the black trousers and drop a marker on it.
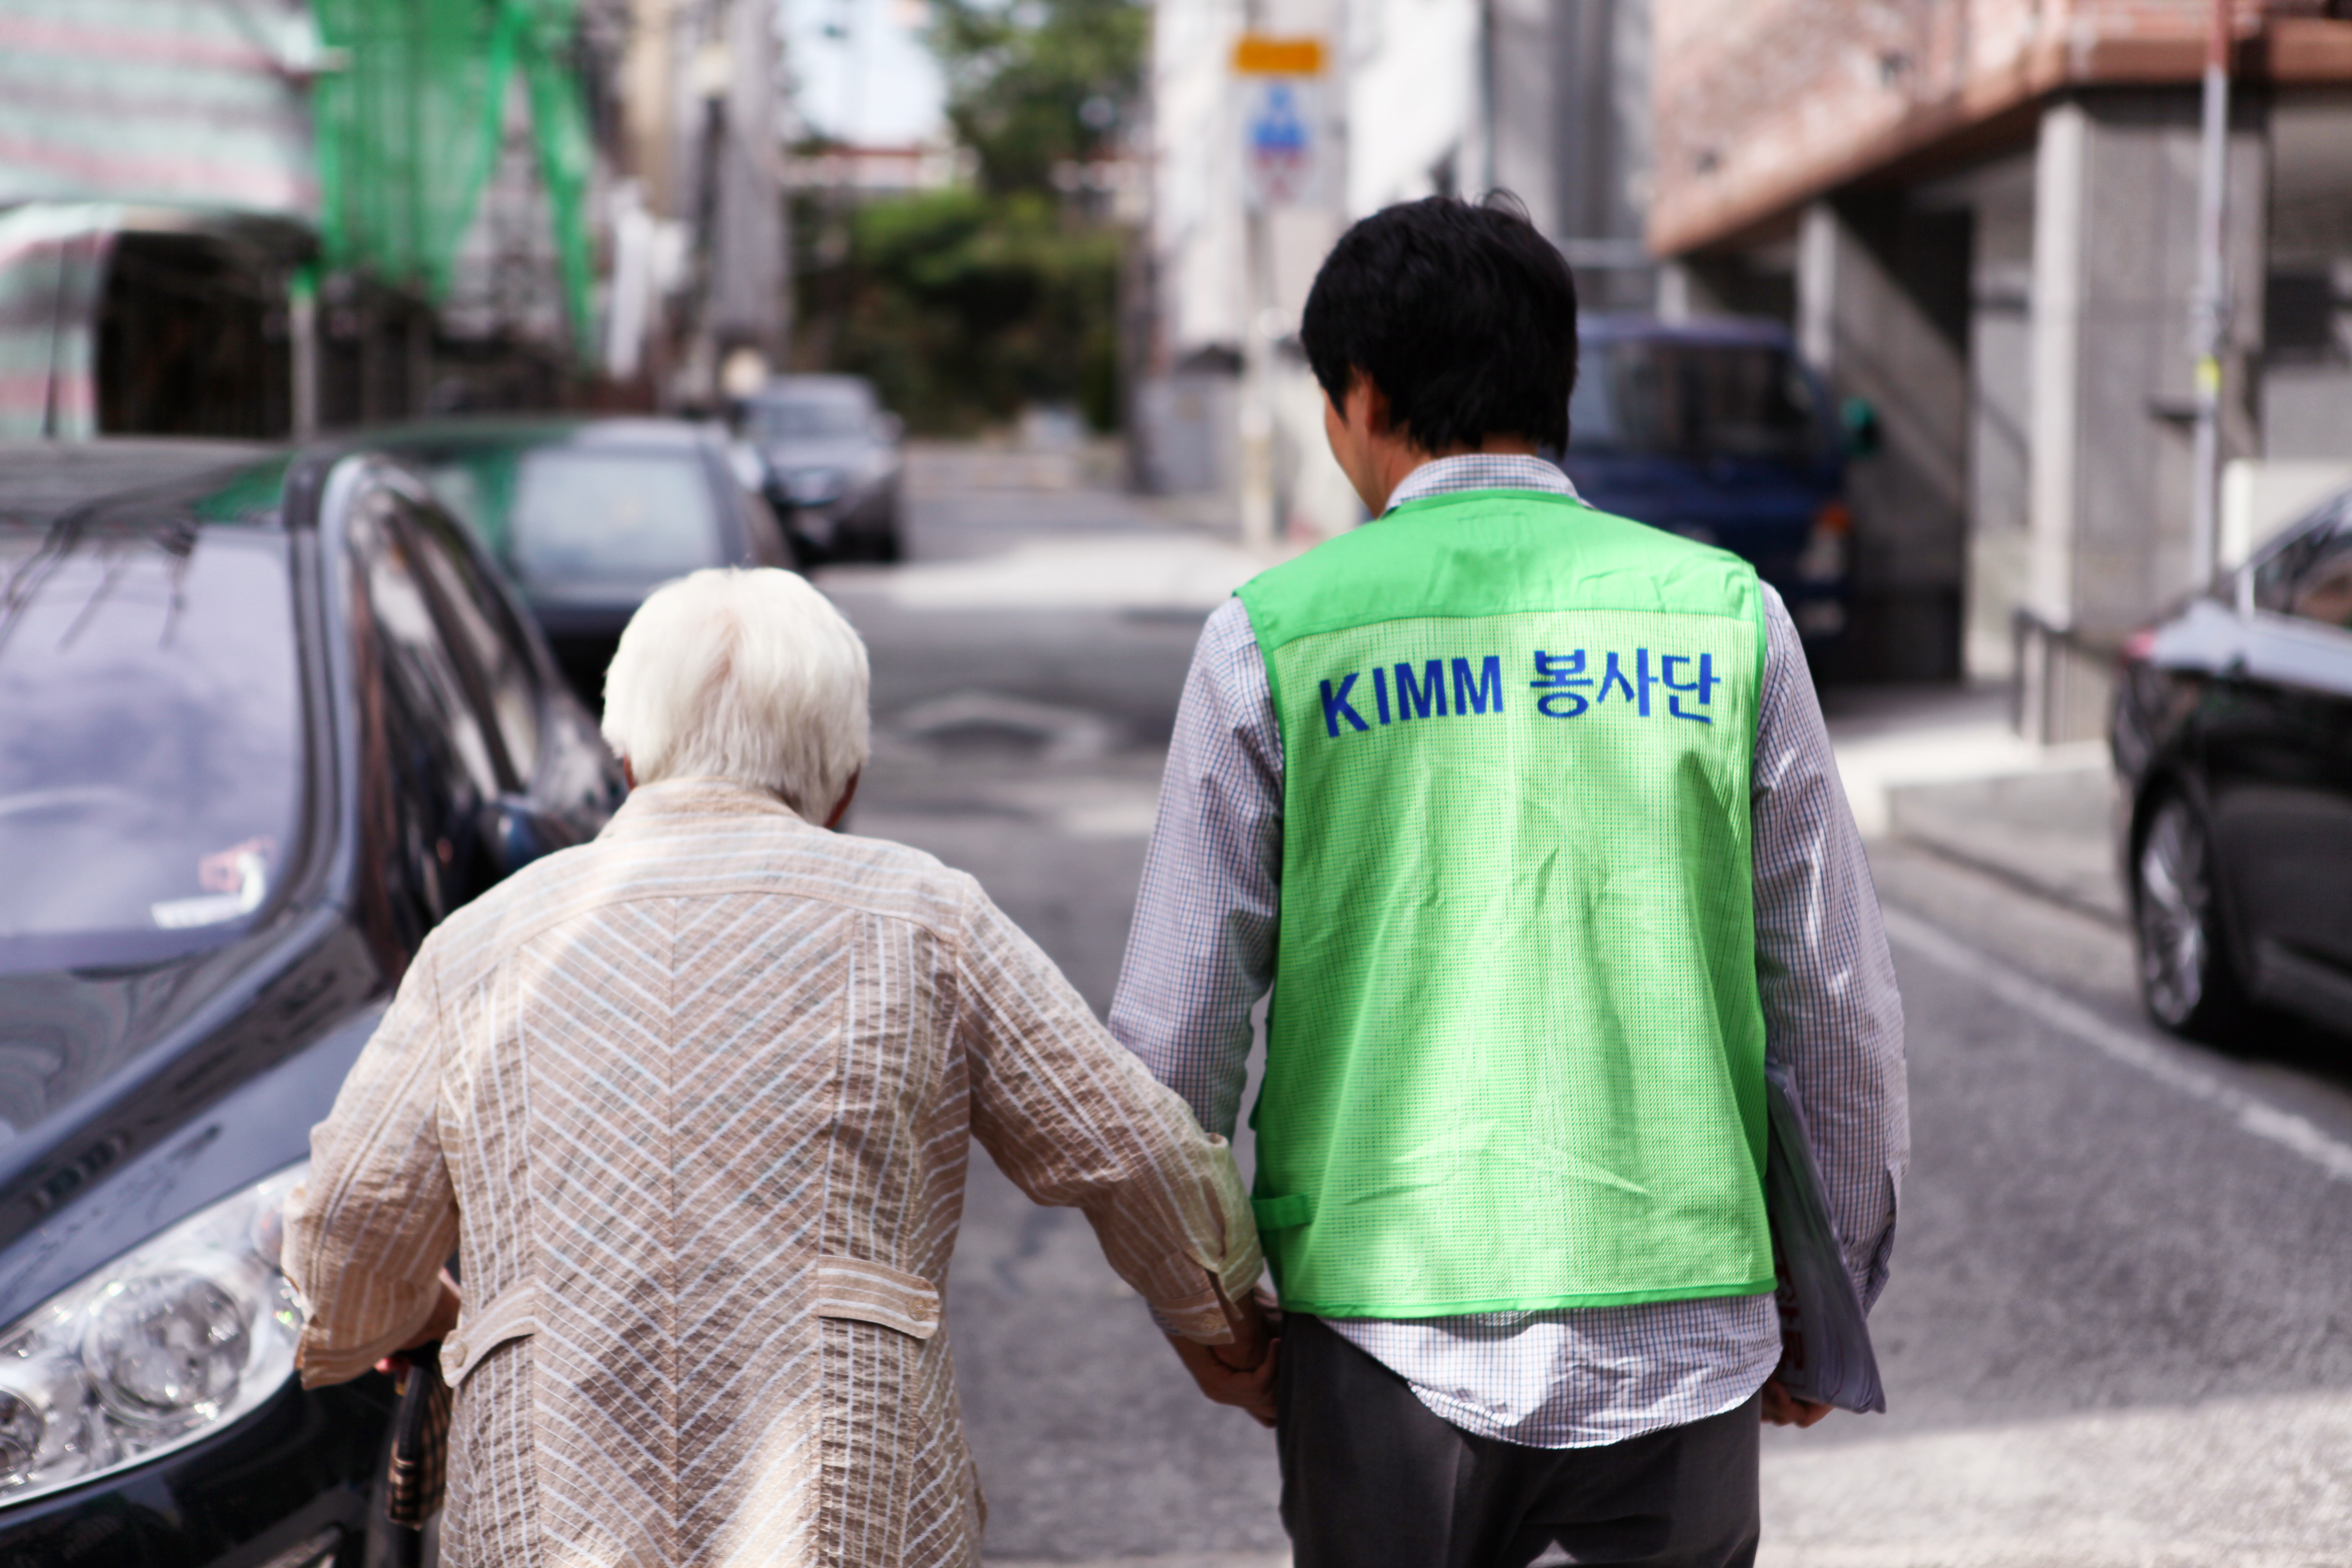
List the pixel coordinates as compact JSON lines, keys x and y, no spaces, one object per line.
{"x":1372,"y":1478}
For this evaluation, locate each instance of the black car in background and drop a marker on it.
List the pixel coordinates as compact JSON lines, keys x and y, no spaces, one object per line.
{"x":833,"y":463}
{"x":588,"y":516}
{"x":2232,"y":736}
{"x":265,"y":719}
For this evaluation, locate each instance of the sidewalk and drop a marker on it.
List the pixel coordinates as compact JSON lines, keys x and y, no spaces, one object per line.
{"x":1941,"y":767}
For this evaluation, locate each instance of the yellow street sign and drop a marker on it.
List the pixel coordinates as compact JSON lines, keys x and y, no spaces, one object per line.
{"x":1258,"y":55}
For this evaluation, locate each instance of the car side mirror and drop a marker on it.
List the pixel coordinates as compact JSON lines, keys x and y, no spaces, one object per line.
{"x":888,"y":427}
{"x":1859,"y":417}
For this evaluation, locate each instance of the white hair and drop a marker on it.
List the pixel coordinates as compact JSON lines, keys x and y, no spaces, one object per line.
{"x":746,"y":674}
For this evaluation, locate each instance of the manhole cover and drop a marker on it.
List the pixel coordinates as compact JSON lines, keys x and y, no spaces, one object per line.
{"x":986,"y":722}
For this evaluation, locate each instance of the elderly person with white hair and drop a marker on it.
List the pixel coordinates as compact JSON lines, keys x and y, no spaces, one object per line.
{"x":692,"y":1103}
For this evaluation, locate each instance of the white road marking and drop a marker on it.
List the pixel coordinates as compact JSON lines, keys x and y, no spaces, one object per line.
{"x":2167,"y":1064}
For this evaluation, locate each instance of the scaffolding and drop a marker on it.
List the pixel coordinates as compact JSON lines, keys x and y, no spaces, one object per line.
{"x":409,"y":126}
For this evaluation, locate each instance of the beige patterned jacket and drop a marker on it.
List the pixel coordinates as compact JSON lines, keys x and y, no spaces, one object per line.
{"x":693,"y":1103}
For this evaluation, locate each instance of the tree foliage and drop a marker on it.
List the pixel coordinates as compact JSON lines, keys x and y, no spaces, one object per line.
{"x":964,"y":305}
{"x":1036,"y":82}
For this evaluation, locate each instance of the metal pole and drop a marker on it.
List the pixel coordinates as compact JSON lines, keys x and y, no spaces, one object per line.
{"x":2209,"y":310}
{"x":1257,"y":497}
{"x":1486,"y":100}
{"x":302,"y":349}
{"x":1256,"y":411}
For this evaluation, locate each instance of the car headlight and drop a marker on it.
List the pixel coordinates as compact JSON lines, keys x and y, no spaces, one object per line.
{"x":172,"y":1341}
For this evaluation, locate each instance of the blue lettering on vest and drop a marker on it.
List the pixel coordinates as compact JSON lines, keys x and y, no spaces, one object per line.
{"x":1703,"y":686}
{"x":1558,"y":675}
{"x":1564,"y":684}
{"x":1469,"y":699}
{"x":1417,"y":701}
{"x":1336,"y":707}
{"x":1615,"y":677}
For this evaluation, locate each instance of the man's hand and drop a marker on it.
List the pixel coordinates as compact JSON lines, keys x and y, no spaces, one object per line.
{"x":440,"y":1326}
{"x":1240,"y":1374}
{"x":1254,"y":1322}
{"x":1783,"y":1408}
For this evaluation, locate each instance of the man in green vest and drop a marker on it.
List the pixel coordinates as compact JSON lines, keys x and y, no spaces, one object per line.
{"x":1527,"y":816}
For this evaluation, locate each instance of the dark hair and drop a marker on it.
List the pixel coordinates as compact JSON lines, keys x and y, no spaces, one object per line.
{"x":1464,"y":316}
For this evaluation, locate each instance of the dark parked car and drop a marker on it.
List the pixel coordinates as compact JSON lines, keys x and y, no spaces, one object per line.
{"x":589,"y":516}
{"x":833,"y":464}
{"x":2232,"y":736}
{"x":264,"y":719}
{"x":1719,"y":431}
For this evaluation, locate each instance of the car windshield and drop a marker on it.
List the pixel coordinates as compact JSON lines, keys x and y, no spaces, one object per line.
{"x":1694,"y":400}
{"x":151,"y":751}
{"x":802,"y":417}
{"x":562,"y":514}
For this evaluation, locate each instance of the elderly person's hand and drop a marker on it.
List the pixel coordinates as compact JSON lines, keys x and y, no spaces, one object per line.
{"x":437,"y":1327}
{"x":1240,"y":1374}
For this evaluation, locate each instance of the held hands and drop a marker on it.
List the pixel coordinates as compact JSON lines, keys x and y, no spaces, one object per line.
{"x":1783,"y":1408}
{"x":1240,"y":1374}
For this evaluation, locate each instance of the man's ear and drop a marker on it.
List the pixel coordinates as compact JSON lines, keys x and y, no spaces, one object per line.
{"x":1371,"y":407}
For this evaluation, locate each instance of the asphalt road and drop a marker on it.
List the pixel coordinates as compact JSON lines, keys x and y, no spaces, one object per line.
{"x":2119,"y":1333}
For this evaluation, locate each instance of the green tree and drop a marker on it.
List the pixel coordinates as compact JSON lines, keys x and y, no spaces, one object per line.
{"x":964,"y":305}
{"x":1036,"y":82}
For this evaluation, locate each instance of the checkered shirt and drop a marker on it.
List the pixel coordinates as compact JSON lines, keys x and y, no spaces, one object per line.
{"x":1203,"y":953}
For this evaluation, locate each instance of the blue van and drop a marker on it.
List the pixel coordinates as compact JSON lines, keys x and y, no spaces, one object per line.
{"x":1717,"y":430}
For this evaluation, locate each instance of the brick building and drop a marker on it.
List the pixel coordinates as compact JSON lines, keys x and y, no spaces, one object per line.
{"x":1981,"y":215}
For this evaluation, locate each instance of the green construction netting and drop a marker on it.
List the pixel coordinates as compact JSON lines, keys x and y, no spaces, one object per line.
{"x":408,"y":132}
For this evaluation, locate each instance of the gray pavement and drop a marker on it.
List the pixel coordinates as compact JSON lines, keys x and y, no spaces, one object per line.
{"x":2117,"y":1332}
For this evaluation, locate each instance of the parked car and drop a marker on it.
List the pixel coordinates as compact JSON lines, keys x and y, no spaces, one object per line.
{"x":833,"y":464}
{"x":2233,"y":737}
{"x":1719,"y":431}
{"x":591,"y":515}
{"x":264,"y":719}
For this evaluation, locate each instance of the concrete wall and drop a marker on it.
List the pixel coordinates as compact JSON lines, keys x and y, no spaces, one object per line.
{"x":2306,"y":388}
{"x":1600,"y":135}
{"x":1762,"y":105}
{"x":1196,"y":201}
{"x":1415,"y":111}
{"x":1998,"y":207}
{"x":1882,"y":310}
{"x":2000,"y":416}
{"x":2113,"y":267}
{"x":2114,"y":263}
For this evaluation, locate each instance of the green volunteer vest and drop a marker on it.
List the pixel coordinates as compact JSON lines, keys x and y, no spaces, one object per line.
{"x":1514,"y":1052}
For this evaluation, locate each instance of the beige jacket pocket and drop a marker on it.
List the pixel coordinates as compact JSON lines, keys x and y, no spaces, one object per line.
{"x":512,"y":1313}
{"x":876,"y":1294}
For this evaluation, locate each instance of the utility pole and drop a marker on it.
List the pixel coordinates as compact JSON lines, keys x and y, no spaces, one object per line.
{"x":1257,"y":414}
{"x":2209,"y":310}
{"x":1256,"y":411}
{"x":1283,"y":131}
